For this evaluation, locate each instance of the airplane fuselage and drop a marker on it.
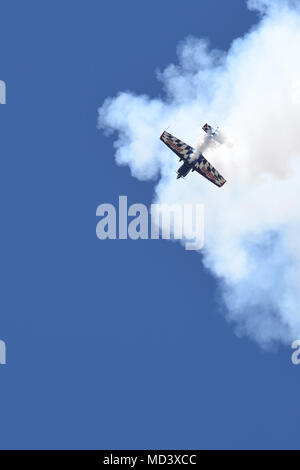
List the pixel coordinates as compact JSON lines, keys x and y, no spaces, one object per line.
{"x":188,"y":165}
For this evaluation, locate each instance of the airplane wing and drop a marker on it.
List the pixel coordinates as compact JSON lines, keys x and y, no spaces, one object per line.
{"x":181,"y":149}
{"x":209,"y":172}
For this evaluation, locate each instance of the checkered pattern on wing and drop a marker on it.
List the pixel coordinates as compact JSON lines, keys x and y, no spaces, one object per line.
{"x":209,"y":172}
{"x":181,"y":149}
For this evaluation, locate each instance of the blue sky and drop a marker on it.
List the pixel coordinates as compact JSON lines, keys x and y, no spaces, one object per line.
{"x":116,"y":343}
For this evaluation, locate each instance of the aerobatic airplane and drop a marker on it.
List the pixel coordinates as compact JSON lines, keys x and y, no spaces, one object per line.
{"x":194,"y":160}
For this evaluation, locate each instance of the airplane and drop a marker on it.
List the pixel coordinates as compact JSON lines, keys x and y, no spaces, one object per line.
{"x":192,"y":159}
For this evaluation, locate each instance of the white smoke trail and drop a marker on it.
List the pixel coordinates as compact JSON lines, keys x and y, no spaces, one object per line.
{"x":252,"y":223}
{"x":203,"y":144}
